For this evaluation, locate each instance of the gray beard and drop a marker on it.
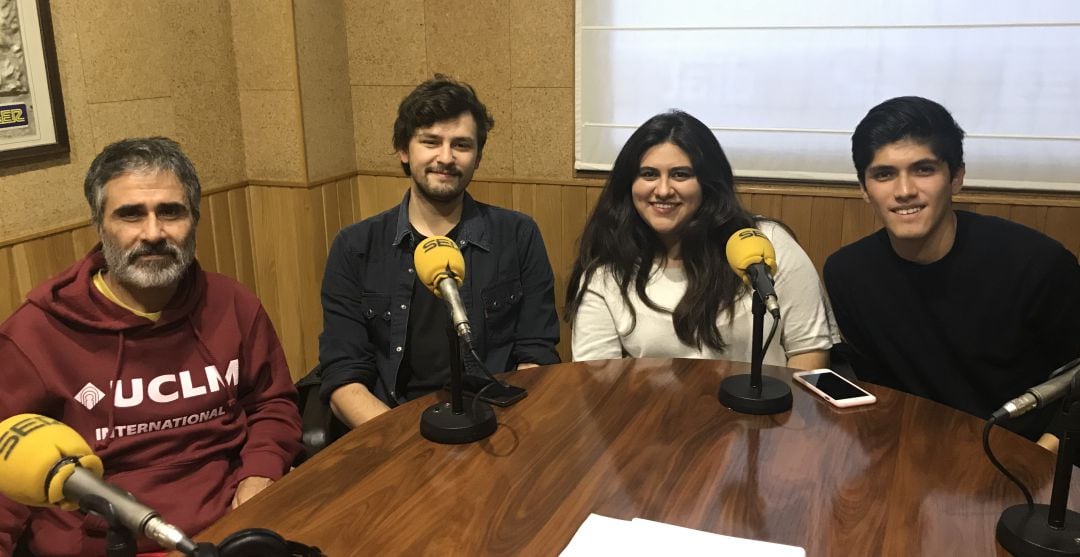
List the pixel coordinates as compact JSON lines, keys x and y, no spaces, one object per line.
{"x":125,"y":269}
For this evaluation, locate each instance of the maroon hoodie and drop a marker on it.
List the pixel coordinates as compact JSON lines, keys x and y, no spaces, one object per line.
{"x":180,"y":410}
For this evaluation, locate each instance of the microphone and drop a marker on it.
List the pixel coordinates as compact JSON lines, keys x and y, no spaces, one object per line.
{"x":1059,"y":385}
{"x":753,"y":258}
{"x":44,"y":463}
{"x":441,"y":268}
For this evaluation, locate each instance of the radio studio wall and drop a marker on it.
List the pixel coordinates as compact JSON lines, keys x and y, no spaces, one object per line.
{"x":286,"y":108}
{"x":275,"y":239}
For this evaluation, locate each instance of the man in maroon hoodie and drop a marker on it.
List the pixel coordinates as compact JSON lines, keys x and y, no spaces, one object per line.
{"x":174,"y":375}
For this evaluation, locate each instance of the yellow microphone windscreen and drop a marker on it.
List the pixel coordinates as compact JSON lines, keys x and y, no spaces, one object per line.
{"x":438,"y":257}
{"x":31,"y":445}
{"x":749,"y":246}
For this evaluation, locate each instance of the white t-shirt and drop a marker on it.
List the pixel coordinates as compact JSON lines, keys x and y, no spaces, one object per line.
{"x":602,"y":323}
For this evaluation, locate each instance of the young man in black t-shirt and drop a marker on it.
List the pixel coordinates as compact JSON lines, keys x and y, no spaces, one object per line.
{"x":964,"y":309}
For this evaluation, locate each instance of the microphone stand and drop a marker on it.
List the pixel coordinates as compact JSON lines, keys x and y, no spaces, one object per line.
{"x":119,"y":541}
{"x":753,"y":393}
{"x":448,"y":422}
{"x":1049,"y":529}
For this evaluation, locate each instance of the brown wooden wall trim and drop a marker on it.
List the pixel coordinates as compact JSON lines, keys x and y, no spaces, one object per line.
{"x":586,"y":182}
{"x":974,"y":195}
{"x":989,"y":197}
{"x":51,"y":231}
{"x":275,"y":239}
{"x":81,"y":222}
{"x":755,"y":186}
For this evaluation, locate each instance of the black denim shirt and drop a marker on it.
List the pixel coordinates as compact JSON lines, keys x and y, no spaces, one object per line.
{"x":509,"y":294}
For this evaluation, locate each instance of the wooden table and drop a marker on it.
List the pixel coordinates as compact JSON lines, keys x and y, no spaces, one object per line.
{"x":648,"y":438}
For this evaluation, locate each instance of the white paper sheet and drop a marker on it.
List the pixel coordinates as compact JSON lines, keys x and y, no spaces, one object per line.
{"x":601,"y":535}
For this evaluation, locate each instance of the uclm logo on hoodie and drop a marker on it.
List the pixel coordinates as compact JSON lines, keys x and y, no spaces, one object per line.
{"x":89,"y":396}
{"x":161,"y":389}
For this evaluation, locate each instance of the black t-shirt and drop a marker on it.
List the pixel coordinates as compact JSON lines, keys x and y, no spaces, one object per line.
{"x":425,"y":366}
{"x":973,"y":330}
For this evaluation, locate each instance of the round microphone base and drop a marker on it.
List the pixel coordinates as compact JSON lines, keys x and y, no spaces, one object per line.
{"x":1023,"y":531}
{"x":737,"y":394}
{"x":440,"y":424}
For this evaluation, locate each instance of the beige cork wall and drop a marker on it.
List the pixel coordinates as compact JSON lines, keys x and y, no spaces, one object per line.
{"x":286,"y":108}
{"x":293,"y":92}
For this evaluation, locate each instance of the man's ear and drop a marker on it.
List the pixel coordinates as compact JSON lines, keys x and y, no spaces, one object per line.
{"x":958,"y":180}
{"x":404,"y":156}
{"x":862,"y":190}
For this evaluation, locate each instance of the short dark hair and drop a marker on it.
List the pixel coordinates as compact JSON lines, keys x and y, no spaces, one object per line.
{"x":921,"y":120}
{"x":437,"y":99}
{"x":140,"y":155}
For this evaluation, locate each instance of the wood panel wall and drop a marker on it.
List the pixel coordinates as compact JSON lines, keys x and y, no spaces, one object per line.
{"x":275,"y":239}
{"x":824,"y":219}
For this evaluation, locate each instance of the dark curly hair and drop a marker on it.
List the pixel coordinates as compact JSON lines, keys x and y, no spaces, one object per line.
{"x":437,"y":99}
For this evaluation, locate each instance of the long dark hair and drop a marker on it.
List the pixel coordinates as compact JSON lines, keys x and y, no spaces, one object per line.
{"x":616,"y":237}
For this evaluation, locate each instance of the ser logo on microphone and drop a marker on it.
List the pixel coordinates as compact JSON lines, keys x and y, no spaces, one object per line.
{"x":432,"y":243}
{"x":10,"y":438}
{"x":747,"y":233}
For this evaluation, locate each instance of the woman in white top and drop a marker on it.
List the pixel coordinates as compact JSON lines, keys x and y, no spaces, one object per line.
{"x":652,"y":279}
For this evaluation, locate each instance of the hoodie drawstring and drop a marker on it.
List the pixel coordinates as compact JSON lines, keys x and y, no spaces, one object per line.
{"x":204,"y":351}
{"x":111,"y":398}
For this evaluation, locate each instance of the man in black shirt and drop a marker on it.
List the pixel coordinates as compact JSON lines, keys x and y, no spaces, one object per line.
{"x":422,"y":369}
{"x":964,"y":309}
{"x":384,"y":338}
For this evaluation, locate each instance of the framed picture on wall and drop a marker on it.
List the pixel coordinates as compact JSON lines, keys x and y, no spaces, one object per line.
{"x":32,"y":123}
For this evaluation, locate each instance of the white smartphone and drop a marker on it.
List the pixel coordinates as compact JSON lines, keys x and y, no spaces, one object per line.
{"x":831,"y":386}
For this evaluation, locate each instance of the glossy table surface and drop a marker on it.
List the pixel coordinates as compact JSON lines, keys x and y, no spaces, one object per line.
{"x":648,"y":438}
